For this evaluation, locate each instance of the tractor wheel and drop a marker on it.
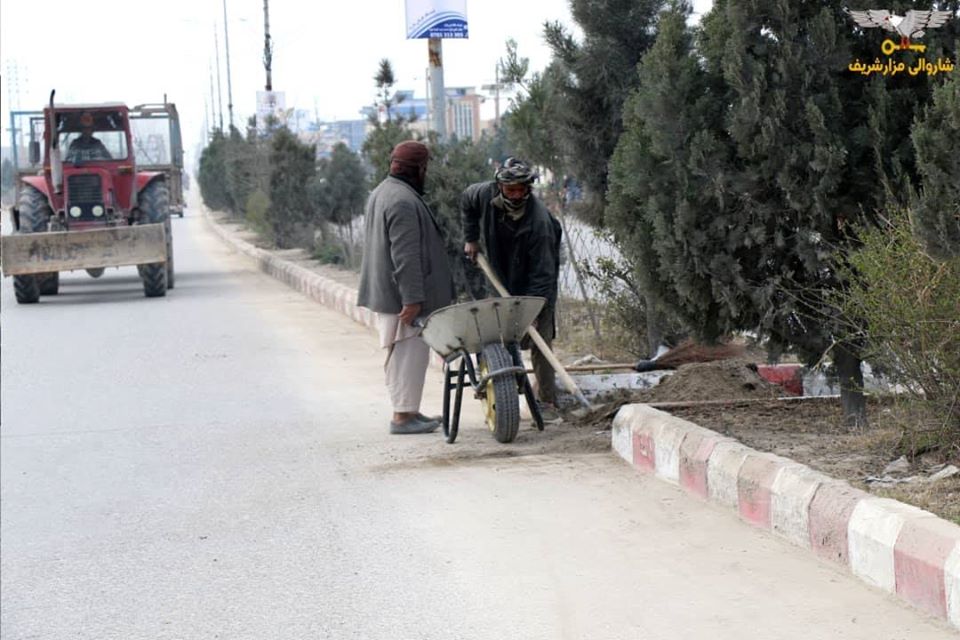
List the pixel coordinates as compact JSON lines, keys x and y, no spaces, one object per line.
{"x":169,"y":255}
{"x":49,"y":283}
{"x":501,"y":402}
{"x":154,"y":204}
{"x":95,"y":273}
{"x":35,"y":215}
{"x":26,"y":289}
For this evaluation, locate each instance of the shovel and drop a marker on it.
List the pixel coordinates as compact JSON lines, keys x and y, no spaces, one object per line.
{"x":536,"y":337}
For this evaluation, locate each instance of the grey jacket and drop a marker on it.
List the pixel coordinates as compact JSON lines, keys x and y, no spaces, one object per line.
{"x":404,"y":255}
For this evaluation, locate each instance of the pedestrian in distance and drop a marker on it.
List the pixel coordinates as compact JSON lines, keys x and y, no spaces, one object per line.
{"x":404,"y":276}
{"x":521,"y":240}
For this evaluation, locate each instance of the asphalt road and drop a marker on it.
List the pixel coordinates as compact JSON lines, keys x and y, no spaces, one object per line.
{"x":216,"y":464}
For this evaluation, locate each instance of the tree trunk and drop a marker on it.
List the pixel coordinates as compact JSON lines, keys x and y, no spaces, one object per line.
{"x":654,"y":327}
{"x":850,"y":376}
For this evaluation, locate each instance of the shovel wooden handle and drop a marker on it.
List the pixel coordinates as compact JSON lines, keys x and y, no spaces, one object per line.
{"x":535,"y":336}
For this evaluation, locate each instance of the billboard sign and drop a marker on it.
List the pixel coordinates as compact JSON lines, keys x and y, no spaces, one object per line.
{"x":270,"y":103}
{"x":436,"y":19}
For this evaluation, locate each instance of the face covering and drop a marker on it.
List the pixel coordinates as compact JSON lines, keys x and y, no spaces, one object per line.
{"x":514,"y":208}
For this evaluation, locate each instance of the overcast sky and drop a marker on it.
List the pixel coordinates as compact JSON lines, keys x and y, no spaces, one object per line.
{"x":325,"y":53}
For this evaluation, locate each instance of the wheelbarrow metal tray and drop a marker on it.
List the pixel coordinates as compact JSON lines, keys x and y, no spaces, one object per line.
{"x":471,"y":325}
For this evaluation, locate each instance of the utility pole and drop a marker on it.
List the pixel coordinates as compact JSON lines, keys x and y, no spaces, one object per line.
{"x":226,"y":44}
{"x":213,"y":103}
{"x":496,"y":100}
{"x":216,"y":45}
{"x":495,"y":88}
{"x":267,"y":46}
{"x":427,"y":94}
{"x":435,"y":52}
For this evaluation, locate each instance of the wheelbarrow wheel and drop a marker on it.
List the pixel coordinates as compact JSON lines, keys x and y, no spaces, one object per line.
{"x":501,"y":402}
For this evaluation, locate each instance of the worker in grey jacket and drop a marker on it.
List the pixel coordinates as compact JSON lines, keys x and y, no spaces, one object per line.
{"x":404,"y":275}
{"x":522,"y":242}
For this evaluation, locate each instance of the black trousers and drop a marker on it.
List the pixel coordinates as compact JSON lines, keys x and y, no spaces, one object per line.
{"x":545,"y":375}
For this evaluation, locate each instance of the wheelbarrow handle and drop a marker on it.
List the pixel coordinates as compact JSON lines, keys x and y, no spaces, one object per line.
{"x":536,"y":337}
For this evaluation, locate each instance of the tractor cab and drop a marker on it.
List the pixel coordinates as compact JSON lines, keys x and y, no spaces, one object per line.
{"x":89,"y":136}
{"x":97,"y":180}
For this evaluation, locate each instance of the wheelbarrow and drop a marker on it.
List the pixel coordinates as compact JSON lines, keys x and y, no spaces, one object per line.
{"x":480,"y":345}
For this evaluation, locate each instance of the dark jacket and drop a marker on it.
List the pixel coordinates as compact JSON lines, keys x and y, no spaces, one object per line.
{"x":533,"y":265}
{"x":404,"y":255}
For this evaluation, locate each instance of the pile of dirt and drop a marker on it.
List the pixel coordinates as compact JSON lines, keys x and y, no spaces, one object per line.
{"x":734,"y":379}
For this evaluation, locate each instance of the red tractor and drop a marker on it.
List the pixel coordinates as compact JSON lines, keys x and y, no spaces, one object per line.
{"x":86,"y":206}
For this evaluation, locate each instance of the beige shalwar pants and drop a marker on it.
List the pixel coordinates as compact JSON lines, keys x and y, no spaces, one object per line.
{"x":406,"y":364}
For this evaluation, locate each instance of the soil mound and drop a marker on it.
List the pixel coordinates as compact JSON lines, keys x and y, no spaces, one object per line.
{"x":734,"y":379}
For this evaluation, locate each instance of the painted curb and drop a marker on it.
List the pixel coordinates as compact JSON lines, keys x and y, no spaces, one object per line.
{"x":888,"y":544}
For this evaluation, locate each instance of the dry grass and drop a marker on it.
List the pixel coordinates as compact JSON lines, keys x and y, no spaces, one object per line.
{"x":942,"y":498}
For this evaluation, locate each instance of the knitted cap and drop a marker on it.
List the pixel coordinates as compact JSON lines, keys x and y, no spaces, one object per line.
{"x":409,"y":153}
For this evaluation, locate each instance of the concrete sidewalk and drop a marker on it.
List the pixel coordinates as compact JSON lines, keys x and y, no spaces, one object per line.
{"x":887,"y":544}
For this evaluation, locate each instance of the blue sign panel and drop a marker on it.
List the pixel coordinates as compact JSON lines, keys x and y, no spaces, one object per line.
{"x":436,"y":19}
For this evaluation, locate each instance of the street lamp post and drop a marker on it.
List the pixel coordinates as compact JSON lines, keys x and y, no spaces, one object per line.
{"x":226,"y":44}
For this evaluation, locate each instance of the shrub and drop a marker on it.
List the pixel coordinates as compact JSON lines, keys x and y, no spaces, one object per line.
{"x":257,"y":206}
{"x":903,"y":305}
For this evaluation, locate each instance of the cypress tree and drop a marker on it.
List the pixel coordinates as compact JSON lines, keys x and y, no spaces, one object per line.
{"x":761,"y":152}
{"x":936,"y":138}
{"x":591,"y":80}
{"x":291,"y":167}
{"x":212,"y":174}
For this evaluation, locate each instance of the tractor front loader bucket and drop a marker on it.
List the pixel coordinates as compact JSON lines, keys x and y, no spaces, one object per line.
{"x":31,"y":253}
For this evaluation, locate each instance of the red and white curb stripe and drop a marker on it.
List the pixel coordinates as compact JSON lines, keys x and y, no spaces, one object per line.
{"x":890,"y":545}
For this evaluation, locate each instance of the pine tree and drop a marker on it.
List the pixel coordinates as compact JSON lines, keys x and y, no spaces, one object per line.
{"x":338,"y":188}
{"x":212,"y":174}
{"x":388,"y":132}
{"x":592,"y":78}
{"x":658,"y":209}
{"x":291,"y":167}
{"x":936,"y":138}
{"x":531,"y":124}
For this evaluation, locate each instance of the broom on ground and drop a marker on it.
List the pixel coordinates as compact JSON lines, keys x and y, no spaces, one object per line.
{"x":689,"y":352}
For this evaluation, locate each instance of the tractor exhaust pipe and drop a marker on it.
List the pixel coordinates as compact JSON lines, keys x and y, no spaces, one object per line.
{"x":56,"y":163}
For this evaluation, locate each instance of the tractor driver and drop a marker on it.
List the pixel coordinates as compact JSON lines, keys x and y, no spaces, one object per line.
{"x":87,"y":147}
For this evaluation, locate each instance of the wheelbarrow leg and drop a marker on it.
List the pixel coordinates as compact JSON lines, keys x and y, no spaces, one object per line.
{"x":532,"y":403}
{"x":527,"y":388}
{"x":448,"y":374}
{"x":455,"y":425}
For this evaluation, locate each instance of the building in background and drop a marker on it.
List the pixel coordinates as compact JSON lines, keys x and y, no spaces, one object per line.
{"x":325,"y":136}
{"x":462,"y":112}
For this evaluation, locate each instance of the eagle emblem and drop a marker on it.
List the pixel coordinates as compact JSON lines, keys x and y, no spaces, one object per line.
{"x":909,"y":26}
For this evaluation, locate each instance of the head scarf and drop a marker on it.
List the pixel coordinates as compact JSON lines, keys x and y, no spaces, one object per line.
{"x":513,"y":171}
